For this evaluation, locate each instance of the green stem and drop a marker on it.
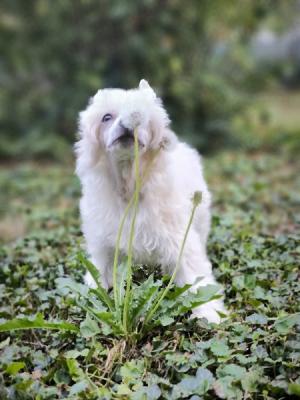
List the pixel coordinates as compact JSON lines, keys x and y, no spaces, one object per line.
{"x":160,"y":299}
{"x":121,"y":227}
{"x":116,"y":255}
{"x":131,"y":235}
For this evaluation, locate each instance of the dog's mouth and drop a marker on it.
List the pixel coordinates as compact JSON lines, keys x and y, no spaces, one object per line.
{"x":126,"y":140}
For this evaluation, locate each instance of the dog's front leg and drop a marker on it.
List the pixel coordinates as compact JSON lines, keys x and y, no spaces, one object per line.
{"x":195,"y":264}
{"x":188,"y":273}
{"x":103,"y":260}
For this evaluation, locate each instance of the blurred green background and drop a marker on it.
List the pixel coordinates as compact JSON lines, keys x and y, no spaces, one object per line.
{"x":228,"y":71}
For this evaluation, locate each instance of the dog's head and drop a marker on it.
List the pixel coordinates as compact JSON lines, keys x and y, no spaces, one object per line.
{"x":113,"y":114}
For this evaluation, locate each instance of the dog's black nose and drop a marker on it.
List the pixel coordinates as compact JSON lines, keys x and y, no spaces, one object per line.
{"x":126,"y":136}
{"x":126,"y":131}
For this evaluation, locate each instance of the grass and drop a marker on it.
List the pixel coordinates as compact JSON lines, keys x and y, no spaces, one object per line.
{"x":254,"y":247}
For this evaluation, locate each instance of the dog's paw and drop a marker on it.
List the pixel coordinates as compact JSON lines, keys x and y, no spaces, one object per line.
{"x":89,"y":280}
{"x":210,"y":311}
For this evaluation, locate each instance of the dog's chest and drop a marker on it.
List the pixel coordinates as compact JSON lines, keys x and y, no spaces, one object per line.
{"x":156,"y":222}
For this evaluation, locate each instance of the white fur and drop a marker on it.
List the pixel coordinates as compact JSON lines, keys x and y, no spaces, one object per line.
{"x":105,"y":168}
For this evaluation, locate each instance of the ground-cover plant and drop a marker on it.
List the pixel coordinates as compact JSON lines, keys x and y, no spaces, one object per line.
{"x":133,"y":310}
{"x":254,"y":247}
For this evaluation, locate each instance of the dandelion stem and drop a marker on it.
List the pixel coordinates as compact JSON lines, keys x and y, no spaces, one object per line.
{"x":131,"y":235}
{"x":196,"y":202}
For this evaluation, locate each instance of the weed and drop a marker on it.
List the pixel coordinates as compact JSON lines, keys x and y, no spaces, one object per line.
{"x":134,"y":309}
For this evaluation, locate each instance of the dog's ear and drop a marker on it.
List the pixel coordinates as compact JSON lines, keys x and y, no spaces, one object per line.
{"x":144,"y":85}
{"x":88,"y":124}
{"x":87,"y":148}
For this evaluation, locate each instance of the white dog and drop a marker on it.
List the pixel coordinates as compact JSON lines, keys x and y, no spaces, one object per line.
{"x":105,"y":167}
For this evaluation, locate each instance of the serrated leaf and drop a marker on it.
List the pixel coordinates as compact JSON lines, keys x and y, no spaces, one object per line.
{"x":72,"y":286}
{"x":143,"y":297}
{"x":189,"y":300}
{"x":100,"y":291}
{"x":177,"y":291}
{"x":83,"y":290}
{"x":109,"y":319}
{"x":35,"y":323}
{"x":95,"y":273}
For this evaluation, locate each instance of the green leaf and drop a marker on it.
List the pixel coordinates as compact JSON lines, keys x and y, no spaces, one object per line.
{"x":143,"y":297}
{"x":294,"y":388}
{"x":90,"y":267}
{"x":100,"y":291}
{"x":76,"y":353}
{"x":4,"y":343}
{"x":199,"y":384}
{"x":89,"y":327}
{"x":124,"y":390}
{"x":74,"y":369}
{"x":238,"y":282}
{"x":121,"y":278}
{"x":132,"y":371}
{"x":285,"y":324}
{"x":152,"y":392}
{"x":219,"y":348}
{"x":36,"y":323}
{"x":233,"y":370}
{"x":108,"y":318}
{"x":177,"y":291}
{"x":165,"y":320}
{"x":72,"y":286}
{"x":250,"y":380}
{"x":14,"y":367}
{"x":225,"y":389}
{"x":250,"y":281}
{"x":204,"y":294}
{"x":78,"y":387}
{"x":190,"y":299}
{"x":258,"y":319}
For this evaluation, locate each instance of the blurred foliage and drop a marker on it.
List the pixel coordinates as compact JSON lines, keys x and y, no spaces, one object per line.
{"x":55,"y":55}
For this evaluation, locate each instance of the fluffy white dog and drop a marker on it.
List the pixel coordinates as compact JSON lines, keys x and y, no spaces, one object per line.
{"x":105,"y":167}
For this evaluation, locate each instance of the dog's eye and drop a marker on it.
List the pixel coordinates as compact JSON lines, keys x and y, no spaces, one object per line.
{"x":106,"y":117}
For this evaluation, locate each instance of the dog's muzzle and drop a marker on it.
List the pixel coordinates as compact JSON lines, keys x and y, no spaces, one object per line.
{"x":125,"y":138}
